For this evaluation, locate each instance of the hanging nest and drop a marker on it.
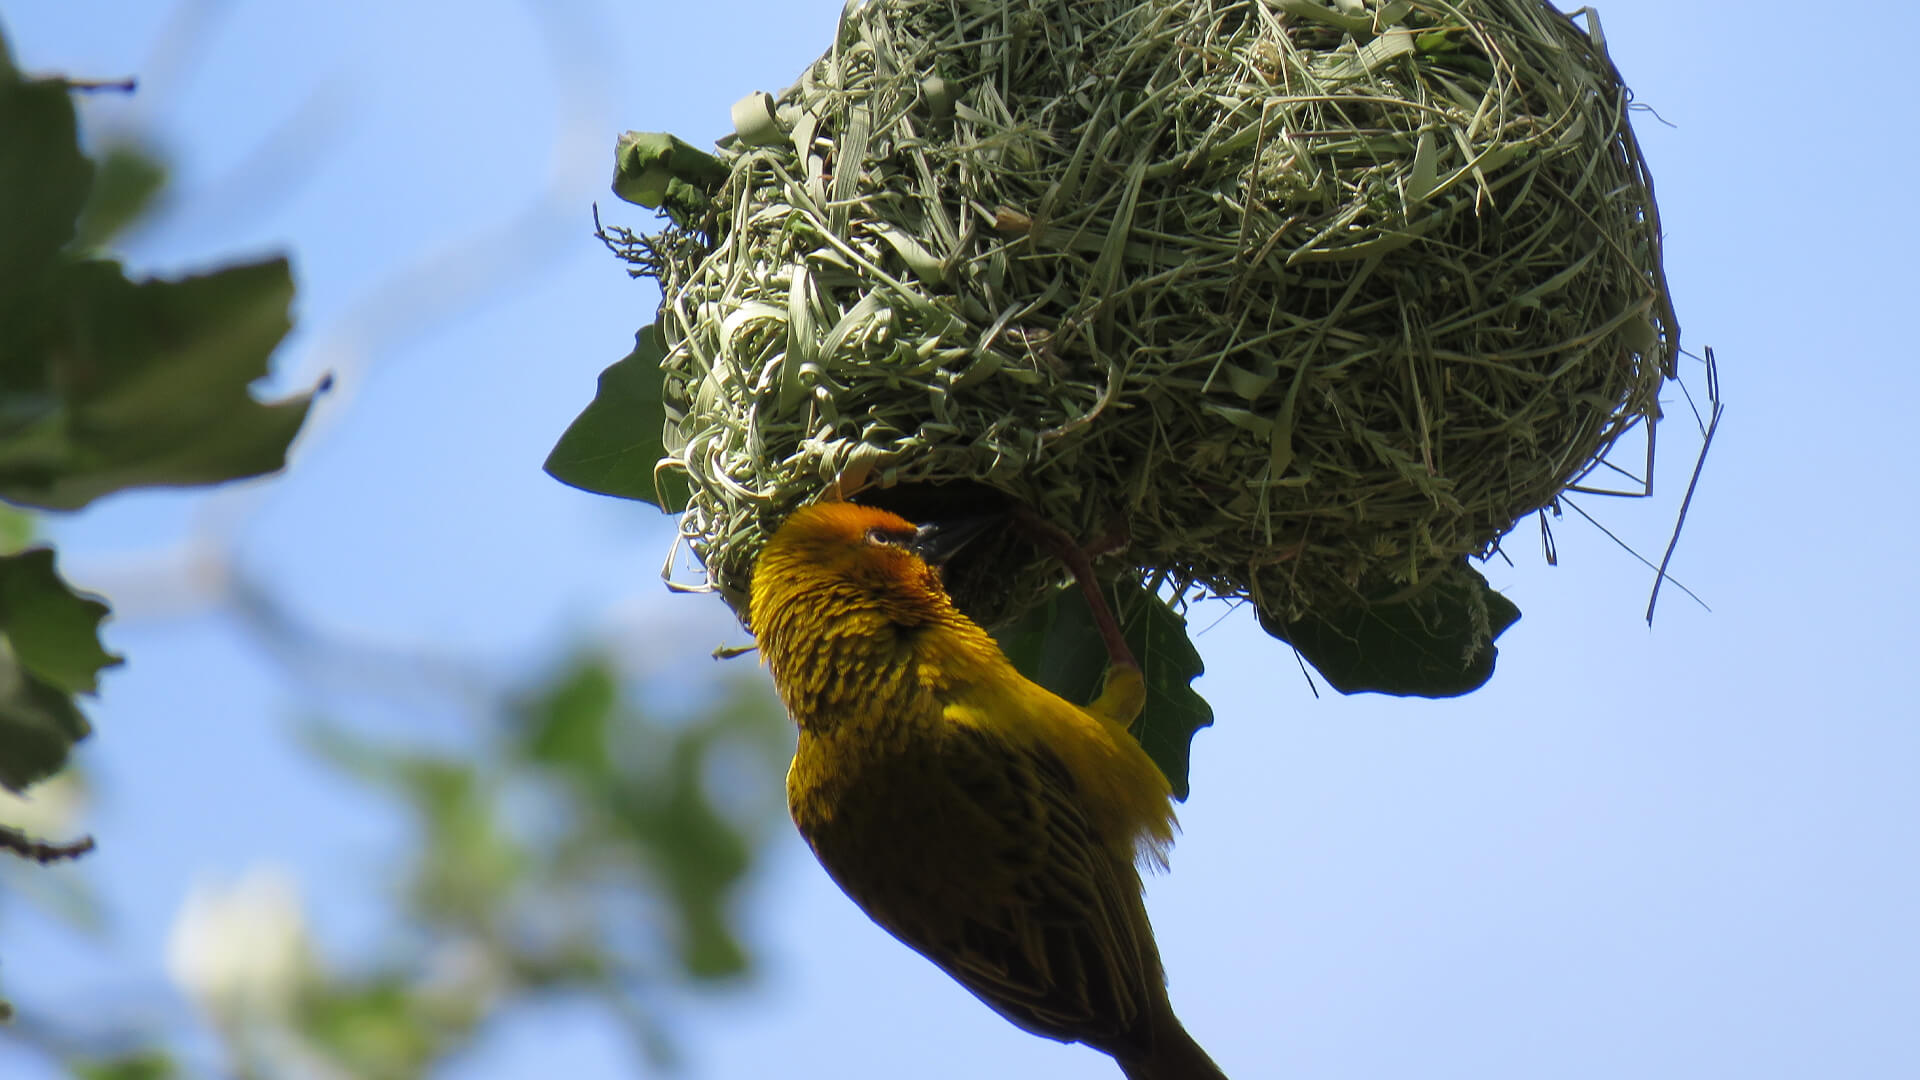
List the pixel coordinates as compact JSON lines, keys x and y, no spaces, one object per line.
{"x":1316,"y":300}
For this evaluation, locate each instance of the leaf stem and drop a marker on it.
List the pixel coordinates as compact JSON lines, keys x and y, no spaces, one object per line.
{"x":1063,"y":547}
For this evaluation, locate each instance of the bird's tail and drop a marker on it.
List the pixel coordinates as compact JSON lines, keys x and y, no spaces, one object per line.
{"x":1175,"y":1056}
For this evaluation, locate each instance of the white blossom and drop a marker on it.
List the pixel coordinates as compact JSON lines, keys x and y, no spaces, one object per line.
{"x":240,"y":949}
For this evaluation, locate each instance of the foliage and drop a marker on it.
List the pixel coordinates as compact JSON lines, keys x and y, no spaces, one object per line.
{"x":624,"y":878}
{"x":613,"y":446}
{"x":588,"y":850}
{"x":51,"y":652}
{"x":1058,"y":646}
{"x":106,"y":383}
{"x":1438,"y":642}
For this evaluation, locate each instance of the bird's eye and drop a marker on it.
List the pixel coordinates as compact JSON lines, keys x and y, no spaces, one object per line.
{"x":877,"y":535}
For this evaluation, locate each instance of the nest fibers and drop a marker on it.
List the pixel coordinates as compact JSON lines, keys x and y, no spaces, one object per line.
{"x":1317,"y":299}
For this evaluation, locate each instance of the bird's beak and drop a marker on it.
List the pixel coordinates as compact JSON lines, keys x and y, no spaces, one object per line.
{"x":938,"y":541}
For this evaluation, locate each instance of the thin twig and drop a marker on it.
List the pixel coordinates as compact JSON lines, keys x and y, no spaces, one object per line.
{"x":41,"y":851}
{"x":125,"y":86}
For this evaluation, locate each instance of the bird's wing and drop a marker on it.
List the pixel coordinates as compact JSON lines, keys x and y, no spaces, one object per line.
{"x":1008,"y":888}
{"x":1072,"y":952}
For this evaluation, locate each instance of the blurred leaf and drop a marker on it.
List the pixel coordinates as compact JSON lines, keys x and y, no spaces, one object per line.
{"x":611,"y":448}
{"x":43,"y":178}
{"x":1058,"y":646}
{"x":566,"y":728}
{"x":38,"y":725}
{"x":647,"y":852}
{"x":661,"y":794}
{"x":698,"y":854}
{"x":142,"y":384}
{"x":694,"y":853}
{"x":470,"y":864}
{"x":146,"y":1065}
{"x":1438,"y":643}
{"x":124,"y":187}
{"x":17,"y":529}
{"x":104,"y":384}
{"x":374,"y":1029}
{"x":107,"y":383}
{"x":52,"y":631}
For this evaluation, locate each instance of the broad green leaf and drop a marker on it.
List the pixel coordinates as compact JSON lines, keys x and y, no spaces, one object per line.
{"x":44,"y":179}
{"x":52,"y":631}
{"x":1439,"y":643}
{"x":143,"y":384}
{"x":612,"y":447}
{"x":1058,"y":646}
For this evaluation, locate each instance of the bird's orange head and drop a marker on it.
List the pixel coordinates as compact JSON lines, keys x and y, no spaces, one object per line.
{"x":840,"y":556}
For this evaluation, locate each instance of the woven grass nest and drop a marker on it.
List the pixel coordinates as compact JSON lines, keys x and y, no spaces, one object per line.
{"x":1314,"y":299}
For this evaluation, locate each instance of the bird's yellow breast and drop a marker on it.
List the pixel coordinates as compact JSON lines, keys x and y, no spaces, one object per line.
{"x":871,"y":701}
{"x":873,"y":661}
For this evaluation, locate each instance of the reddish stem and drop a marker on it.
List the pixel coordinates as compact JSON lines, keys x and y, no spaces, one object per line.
{"x":1063,"y":547}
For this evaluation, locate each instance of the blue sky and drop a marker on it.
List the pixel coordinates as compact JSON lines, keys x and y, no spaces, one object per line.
{"x":1677,"y":852}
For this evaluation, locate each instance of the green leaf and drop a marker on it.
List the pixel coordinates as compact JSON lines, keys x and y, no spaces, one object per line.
{"x":1058,"y":646}
{"x":43,"y":178}
{"x":17,"y":529}
{"x":472,"y":858}
{"x":38,"y":726}
{"x":646,"y":163}
{"x":372,"y":1028}
{"x":676,"y":802}
{"x":49,"y":651}
{"x":697,"y":856}
{"x":613,"y":446}
{"x":108,"y":384}
{"x":566,"y":727}
{"x":140,"y":385}
{"x":52,"y":630}
{"x":1438,"y":643}
{"x":123,"y":189}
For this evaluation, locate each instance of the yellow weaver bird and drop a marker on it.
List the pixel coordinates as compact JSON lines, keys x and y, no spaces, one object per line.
{"x":989,"y":824}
